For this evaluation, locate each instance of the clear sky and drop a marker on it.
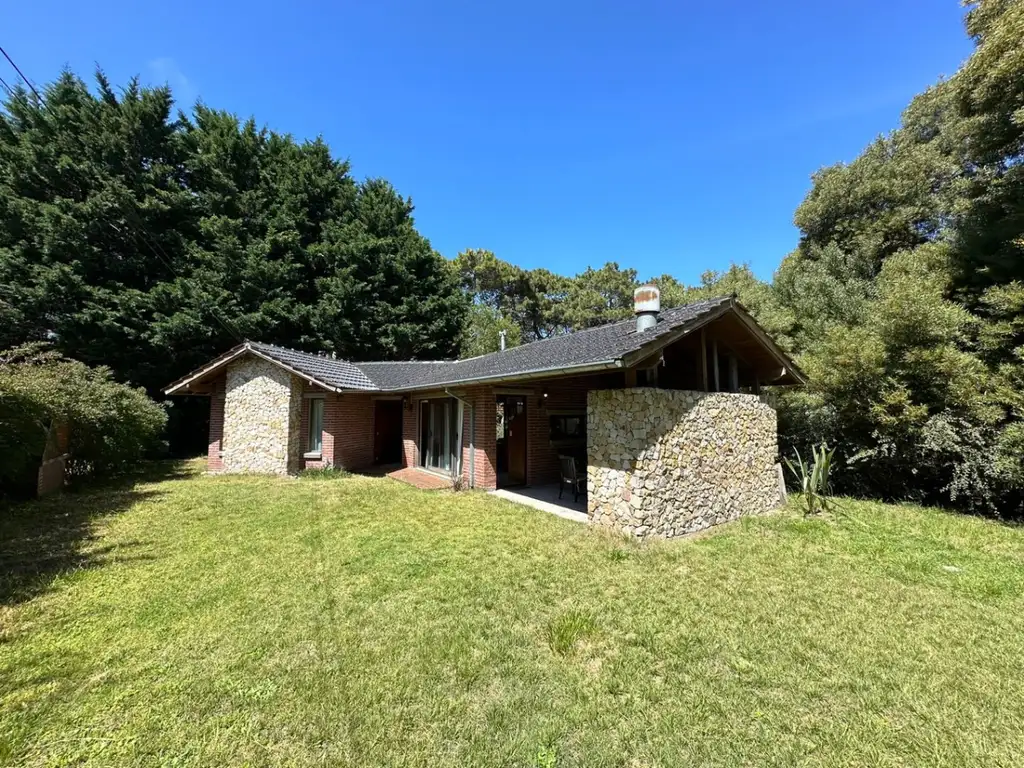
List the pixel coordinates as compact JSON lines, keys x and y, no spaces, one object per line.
{"x":668,"y":136}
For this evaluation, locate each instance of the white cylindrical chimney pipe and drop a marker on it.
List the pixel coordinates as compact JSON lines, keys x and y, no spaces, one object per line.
{"x":646,"y":306}
{"x":501,"y":339}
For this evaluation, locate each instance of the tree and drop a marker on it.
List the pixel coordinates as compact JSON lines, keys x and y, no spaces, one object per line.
{"x":531,"y":299}
{"x":150,"y":243}
{"x":389,"y":294}
{"x":905,"y":291}
{"x":111,"y":426}
{"x":598,"y":296}
{"x":482,"y":334}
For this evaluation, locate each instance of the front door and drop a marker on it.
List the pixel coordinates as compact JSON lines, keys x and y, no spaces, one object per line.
{"x":515,"y":439}
{"x":387,"y":428}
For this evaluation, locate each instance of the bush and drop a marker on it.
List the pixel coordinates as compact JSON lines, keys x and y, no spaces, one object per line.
{"x":111,"y":425}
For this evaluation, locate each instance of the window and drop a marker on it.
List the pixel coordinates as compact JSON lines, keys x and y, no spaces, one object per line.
{"x":567,"y":426}
{"x":439,"y":434}
{"x":316,"y":424}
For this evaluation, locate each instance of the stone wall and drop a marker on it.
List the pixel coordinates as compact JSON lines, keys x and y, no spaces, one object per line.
{"x":262,"y":418}
{"x":666,"y":463}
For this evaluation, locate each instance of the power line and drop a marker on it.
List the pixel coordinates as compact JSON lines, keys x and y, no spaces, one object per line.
{"x":6,"y":86}
{"x":16,"y":69}
{"x":160,"y":253}
{"x":137,"y":225}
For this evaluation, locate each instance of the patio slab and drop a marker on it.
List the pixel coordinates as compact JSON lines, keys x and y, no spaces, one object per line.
{"x":426,"y":481}
{"x":545,"y":498}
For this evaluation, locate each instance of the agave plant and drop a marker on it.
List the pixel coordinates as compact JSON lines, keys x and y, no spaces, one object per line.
{"x":813,"y":478}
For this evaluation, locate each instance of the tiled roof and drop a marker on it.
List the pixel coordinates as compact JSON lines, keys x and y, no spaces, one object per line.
{"x":336,"y":373}
{"x":605,"y":344}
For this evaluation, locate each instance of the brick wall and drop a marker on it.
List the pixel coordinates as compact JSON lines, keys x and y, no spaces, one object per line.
{"x":410,"y":434}
{"x":353,"y":431}
{"x":563,"y":394}
{"x":347,"y":439}
{"x":214,"y":461}
{"x":484,"y":440}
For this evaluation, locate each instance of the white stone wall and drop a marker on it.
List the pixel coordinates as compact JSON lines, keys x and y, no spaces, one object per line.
{"x":262,"y":417}
{"x":666,"y":463}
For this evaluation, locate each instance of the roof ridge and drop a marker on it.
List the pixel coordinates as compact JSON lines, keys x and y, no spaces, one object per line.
{"x":401,"y":362}
{"x":609,"y":324}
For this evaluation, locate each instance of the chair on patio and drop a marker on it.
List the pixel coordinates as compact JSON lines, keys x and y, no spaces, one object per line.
{"x":570,"y":476}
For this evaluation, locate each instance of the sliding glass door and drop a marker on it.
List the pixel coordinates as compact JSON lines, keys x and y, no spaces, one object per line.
{"x":440,"y":434}
{"x":436,"y":449}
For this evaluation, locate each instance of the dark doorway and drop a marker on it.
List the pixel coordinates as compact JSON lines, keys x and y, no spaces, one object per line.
{"x":387,"y":426}
{"x":511,"y":438}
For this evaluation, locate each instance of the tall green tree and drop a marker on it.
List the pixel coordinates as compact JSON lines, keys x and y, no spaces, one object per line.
{"x":149,"y":242}
{"x":906,"y":290}
{"x":598,"y":296}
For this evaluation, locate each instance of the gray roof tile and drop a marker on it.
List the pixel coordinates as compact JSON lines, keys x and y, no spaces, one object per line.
{"x":605,"y":343}
{"x":335,"y":373}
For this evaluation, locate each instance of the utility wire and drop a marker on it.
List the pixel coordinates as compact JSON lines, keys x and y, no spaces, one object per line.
{"x":137,"y":225}
{"x":22,"y":74}
{"x":8,"y":88}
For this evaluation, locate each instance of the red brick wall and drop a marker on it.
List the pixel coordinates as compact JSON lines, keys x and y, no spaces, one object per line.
{"x":570,"y":393}
{"x":347,"y":439}
{"x":352,"y":426}
{"x":214,"y":462}
{"x":410,"y":434}
{"x":484,"y":441}
{"x":349,"y":428}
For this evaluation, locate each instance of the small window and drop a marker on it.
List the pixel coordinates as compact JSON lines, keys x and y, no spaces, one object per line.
{"x":316,"y":424}
{"x":568,"y":427}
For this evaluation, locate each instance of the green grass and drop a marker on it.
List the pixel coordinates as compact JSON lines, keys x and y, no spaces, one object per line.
{"x":243,"y":621}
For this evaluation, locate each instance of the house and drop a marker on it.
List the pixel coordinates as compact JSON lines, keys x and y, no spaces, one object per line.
{"x":661,"y":413}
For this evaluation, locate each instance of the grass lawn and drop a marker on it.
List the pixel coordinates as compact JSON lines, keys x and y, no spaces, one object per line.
{"x":211,"y":621}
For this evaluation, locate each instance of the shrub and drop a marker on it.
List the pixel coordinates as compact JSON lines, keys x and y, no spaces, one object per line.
{"x":111,"y":425}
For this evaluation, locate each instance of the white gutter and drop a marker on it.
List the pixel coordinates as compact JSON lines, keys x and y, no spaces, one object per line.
{"x":536,"y":373}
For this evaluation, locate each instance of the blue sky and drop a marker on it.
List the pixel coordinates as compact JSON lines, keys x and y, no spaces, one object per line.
{"x":668,"y":136}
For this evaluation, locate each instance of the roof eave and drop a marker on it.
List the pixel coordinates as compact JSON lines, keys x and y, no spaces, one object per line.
{"x":233,"y":354}
{"x":789,"y":368}
{"x":537,"y":373}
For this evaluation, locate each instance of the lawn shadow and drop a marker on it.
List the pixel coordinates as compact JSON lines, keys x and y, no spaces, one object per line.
{"x":42,"y":538}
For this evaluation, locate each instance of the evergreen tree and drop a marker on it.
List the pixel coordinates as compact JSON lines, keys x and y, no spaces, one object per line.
{"x":149,"y":243}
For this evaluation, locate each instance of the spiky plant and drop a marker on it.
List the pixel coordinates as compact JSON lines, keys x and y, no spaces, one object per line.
{"x":814,"y":478}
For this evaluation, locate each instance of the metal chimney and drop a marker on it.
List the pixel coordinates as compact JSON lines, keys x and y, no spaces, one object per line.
{"x":646,"y":306}
{"x":501,"y":342}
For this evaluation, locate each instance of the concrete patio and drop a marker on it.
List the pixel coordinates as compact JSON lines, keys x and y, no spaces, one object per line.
{"x":545,"y":498}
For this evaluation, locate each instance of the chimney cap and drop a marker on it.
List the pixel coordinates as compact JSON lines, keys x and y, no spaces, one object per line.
{"x":646,"y":306}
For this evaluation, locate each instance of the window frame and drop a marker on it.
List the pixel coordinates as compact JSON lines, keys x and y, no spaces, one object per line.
{"x":316,"y":404}
{"x":562,"y":414}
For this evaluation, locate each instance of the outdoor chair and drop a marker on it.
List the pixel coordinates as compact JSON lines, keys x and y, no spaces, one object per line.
{"x":570,"y":476}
